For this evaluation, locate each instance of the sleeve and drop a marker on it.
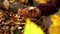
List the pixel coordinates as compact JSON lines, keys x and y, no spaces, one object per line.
{"x":49,"y":8}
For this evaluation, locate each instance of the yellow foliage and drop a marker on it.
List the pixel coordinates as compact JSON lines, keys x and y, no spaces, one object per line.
{"x":56,"y":20}
{"x":32,"y":28}
{"x":55,"y":27}
{"x":41,"y":1}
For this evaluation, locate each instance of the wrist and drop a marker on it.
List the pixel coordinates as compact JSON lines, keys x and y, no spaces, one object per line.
{"x":37,"y":13}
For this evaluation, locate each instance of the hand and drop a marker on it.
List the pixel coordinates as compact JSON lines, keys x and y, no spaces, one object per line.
{"x":24,"y":12}
{"x":29,"y":13}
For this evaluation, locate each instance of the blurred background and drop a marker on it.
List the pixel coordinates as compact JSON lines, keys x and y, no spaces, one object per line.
{"x":12,"y":23}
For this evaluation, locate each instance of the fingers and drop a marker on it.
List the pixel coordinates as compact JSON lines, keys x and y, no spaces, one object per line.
{"x":25,"y":12}
{"x":26,"y":9}
{"x":19,"y":11}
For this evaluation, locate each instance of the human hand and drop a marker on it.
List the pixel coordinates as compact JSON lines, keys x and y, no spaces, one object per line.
{"x":29,"y":12}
